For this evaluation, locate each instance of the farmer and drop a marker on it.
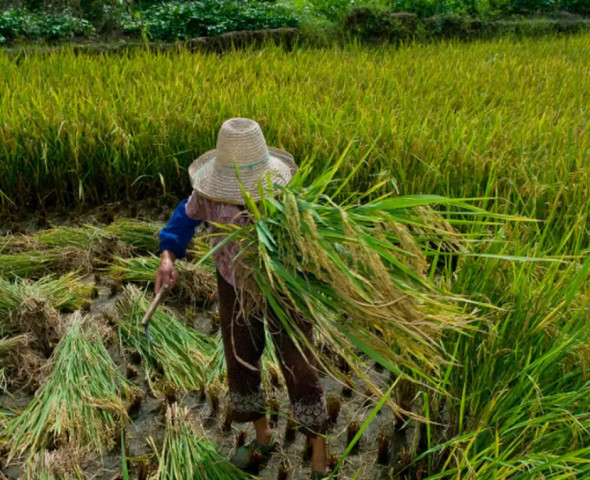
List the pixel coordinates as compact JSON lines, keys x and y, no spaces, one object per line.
{"x":217,"y":198}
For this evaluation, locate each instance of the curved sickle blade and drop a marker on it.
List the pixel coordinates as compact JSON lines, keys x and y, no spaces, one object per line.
{"x":145,"y":321}
{"x":149,"y":337}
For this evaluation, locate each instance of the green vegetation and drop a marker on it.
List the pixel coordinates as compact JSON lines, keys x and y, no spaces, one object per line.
{"x":358,"y":271}
{"x":186,"y":453}
{"x":184,"y":353}
{"x":502,"y":125}
{"x":177,"y":19}
{"x":21,"y":299}
{"x":17,"y":23}
{"x":479,"y":128}
{"x":82,"y":402}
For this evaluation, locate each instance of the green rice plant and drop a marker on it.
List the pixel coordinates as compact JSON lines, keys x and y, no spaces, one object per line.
{"x":517,"y":405}
{"x":195,"y":283}
{"x":82,"y":402}
{"x":464,"y":119}
{"x":187,"y":453}
{"x":180,"y":361}
{"x":5,"y":417}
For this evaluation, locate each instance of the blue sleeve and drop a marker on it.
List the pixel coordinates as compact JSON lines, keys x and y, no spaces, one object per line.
{"x":179,"y":231}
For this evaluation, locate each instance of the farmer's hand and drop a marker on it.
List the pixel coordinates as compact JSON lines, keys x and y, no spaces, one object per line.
{"x":167,"y":274}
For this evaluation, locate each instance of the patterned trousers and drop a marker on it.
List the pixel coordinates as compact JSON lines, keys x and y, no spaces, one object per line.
{"x":243,"y":342}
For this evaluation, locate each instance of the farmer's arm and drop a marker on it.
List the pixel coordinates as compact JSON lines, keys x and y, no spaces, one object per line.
{"x":174,"y":240}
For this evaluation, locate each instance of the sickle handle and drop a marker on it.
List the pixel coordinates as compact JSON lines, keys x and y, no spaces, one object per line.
{"x":155,"y":302}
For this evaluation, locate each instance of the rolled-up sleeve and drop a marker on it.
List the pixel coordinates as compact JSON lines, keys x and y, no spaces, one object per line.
{"x":179,"y":231}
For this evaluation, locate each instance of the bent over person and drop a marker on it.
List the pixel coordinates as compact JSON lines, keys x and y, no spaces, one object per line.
{"x":217,"y":198}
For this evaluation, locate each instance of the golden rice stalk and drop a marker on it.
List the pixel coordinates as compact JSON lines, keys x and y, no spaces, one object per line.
{"x":359,"y":272}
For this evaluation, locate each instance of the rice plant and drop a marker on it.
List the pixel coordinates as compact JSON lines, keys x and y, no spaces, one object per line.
{"x":37,"y":263}
{"x":82,"y":402}
{"x":187,"y":453}
{"x":33,"y":306}
{"x":462,"y":119}
{"x":195,"y":283}
{"x":141,"y":235}
{"x":183,"y":354}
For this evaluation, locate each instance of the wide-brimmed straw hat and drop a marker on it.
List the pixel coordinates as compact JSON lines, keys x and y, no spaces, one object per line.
{"x":241,"y":147}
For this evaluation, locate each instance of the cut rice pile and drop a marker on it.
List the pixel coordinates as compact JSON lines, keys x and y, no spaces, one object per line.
{"x":180,"y":361}
{"x":186,"y":452}
{"x":195,"y":284}
{"x":83,"y":401}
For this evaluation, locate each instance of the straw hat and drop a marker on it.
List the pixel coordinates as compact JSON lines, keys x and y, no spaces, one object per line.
{"x":241,"y":144}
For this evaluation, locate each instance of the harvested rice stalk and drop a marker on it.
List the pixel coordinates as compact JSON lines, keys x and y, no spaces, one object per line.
{"x":31,"y":307}
{"x":36,"y":263}
{"x":81,"y":404}
{"x":194,"y":284}
{"x":59,"y":464}
{"x":19,"y":363}
{"x":356,"y":271}
{"x":5,"y":417}
{"x":99,"y":243}
{"x":183,"y":352}
{"x":16,"y":243}
{"x":143,"y":236}
{"x":186,"y":453}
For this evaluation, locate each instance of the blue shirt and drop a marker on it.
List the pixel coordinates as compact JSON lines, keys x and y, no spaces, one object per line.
{"x":178,"y":232}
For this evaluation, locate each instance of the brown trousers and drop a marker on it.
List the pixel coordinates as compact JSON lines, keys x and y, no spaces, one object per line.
{"x":243,"y":342}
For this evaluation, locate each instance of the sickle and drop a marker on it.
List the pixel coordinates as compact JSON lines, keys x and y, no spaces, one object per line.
{"x":145,"y":321}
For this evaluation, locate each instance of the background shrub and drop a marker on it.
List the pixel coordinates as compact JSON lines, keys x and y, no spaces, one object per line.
{"x":173,"y":20}
{"x":21,"y":23}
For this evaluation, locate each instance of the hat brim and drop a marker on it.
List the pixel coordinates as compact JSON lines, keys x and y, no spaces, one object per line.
{"x":223,"y":185}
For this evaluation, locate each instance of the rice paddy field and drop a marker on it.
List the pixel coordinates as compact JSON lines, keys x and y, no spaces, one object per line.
{"x":93,"y":157}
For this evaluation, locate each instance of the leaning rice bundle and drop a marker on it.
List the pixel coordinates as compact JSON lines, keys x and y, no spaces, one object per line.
{"x":81,"y":404}
{"x":359,"y":272}
{"x":36,"y":263}
{"x":195,"y":284}
{"x":141,"y":235}
{"x":183,"y":352}
{"x":31,"y":307}
{"x":99,"y":243}
{"x":186,"y":453}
